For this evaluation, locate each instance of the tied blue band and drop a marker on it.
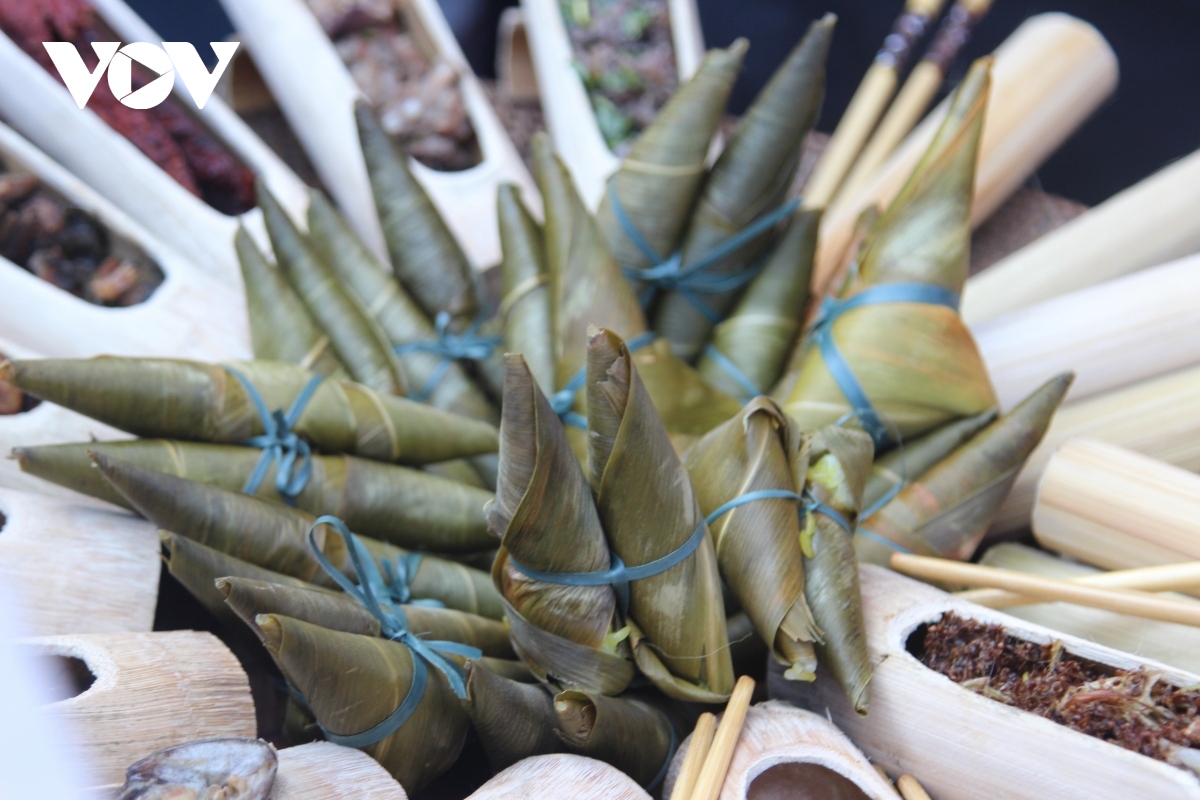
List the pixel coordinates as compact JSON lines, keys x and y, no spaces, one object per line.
{"x":619,"y":575}
{"x":450,"y":347}
{"x":690,"y":281}
{"x":375,"y":596}
{"x":835,"y":362}
{"x":749,"y":390}
{"x":883,"y":540}
{"x":291,"y":455}
{"x":563,"y":401}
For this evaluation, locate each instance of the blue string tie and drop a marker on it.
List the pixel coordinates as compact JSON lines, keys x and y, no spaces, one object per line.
{"x":563,"y":401}
{"x":749,"y":390}
{"x":691,"y":281}
{"x":449,"y":347}
{"x":374,"y":595}
{"x":822,"y":333}
{"x":281,"y":446}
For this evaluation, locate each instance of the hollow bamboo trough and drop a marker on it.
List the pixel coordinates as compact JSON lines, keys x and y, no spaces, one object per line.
{"x":561,"y":775}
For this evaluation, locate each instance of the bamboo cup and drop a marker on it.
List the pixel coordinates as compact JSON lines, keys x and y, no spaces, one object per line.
{"x":697,"y":750}
{"x":1150,"y":222}
{"x":923,"y":724}
{"x":1156,"y":418}
{"x":1125,"y":601}
{"x":151,"y":690}
{"x":1111,"y":335}
{"x":1048,"y":77}
{"x":326,"y":771}
{"x":561,"y":775}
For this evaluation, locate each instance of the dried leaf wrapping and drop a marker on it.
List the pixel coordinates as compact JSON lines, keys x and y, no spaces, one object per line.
{"x":648,"y":508}
{"x":513,"y":720}
{"x":948,"y":509}
{"x":630,"y":734}
{"x":526,"y":304}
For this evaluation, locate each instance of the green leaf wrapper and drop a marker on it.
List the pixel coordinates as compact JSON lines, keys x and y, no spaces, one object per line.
{"x":630,"y":734}
{"x":525,"y":284}
{"x":513,"y":720}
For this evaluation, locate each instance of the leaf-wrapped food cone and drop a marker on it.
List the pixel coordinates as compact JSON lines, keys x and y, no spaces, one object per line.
{"x":355,"y":338}
{"x":912,"y":356}
{"x":648,"y":508}
{"x":198,"y":401}
{"x":748,"y":181}
{"x":758,"y":543}
{"x":839,"y":463}
{"x":630,"y":734}
{"x":353,"y":683}
{"x":948,"y":509}
{"x":657,"y":182}
{"x":281,"y":329}
{"x":427,"y":259}
{"x":526,"y":300}
{"x":403,"y":506}
{"x":513,"y":720}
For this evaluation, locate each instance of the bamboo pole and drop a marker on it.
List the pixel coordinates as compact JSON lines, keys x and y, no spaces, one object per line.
{"x":1151,"y":222}
{"x":716,"y":762}
{"x":326,"y":771}
{"x":911,"y":789}
{"x":1125,"y":601}
{"x":1111,"y":335}
{"x":693,"y":761}
{"x":1156,"y":418}
{"x":918,"y":91}
{"x":1048,"y":77}
{"x":1181,"y":577}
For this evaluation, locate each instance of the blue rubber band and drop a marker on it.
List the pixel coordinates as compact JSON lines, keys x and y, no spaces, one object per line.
{"x":662,"y":773}
{"x":749,"y":390}
{"x":835,"y":362}
{"x":280,"y":445}
{"x":563,"y":401}
{"x":450,"y":347}
{"x":883,"y":540}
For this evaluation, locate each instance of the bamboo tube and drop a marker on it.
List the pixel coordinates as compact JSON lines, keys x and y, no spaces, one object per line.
{"x":326,"y":771}
{"x":77,"y":569}
{"x":1156,"y":418}
{"x":869,"y":101}
{"x":1176,"y":645}
{"x":1048,"y":77}
{"x":1166,"y":578}
{"x":1125,"y":601}
{"x":716,"y":762}
{"x":560,"y":775}
{"x":918,"y":90}
{"x":151,"y":690}
{"x":1117,"y":509}
{"x":698,"y":746}
{"x":1112,"y":334}
{"x":923,"y":724}
{"x":1150,"y":222}
{"x":910,"y":789}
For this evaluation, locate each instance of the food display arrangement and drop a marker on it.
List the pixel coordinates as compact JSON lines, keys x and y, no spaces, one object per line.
{"x":693,"y":462}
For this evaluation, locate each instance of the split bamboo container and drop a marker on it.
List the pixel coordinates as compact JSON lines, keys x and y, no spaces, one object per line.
{"x":326,"y":771}
{"x":191,"y":315}
{"x":77,"y":568}
{"x":1156,"y":418}
{"x":569,"y":116}
{"x":959,"y":744}
{"x":1150,"y":222}
{"x":40,"y":108}
{"x":561,"y":775}
{"x":151,"y":690}
{"x":1111,"y":335}
{"x":316,"y":93}
{"x":786,"y":752}
{"x":1048,"y":77}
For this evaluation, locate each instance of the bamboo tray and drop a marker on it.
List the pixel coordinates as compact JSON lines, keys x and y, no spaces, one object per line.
{"x":316,"y":93}
{"x":965,"y":746}
{"x":569,"y":116}
{"x":40,"y":108}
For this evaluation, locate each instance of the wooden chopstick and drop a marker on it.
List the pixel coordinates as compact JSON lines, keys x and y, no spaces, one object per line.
{"x":1122,"y":601}
{"x":1165,"y":578}
{"x":693,"y":760}
{"x":716,"y":764}
{"x":910,"y":789}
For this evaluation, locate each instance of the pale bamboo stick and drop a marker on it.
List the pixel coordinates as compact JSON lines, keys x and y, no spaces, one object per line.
{"x":716,"y":762}
{"x":693,"y":761}
{"x":1125,"y":601}
{"x":1111,"y":335}
{"x":1180,"y":577}
{"x":911,"y":789}
{"x":1048,"y":77}
{"x":1156,"y":418}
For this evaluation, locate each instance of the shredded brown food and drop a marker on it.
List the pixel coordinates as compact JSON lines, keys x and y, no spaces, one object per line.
{"x":1136,"y":709}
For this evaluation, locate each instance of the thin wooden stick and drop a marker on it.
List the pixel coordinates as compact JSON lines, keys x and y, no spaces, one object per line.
{"x":869,"y":101}
{"x":693,"y":760}
{"x":1167,"y":578}
{"x":1123,"y":601}
{"x":910,"y":789}
{"x":716,"y":763}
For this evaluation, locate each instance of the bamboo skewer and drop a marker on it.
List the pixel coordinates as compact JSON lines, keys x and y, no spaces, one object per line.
{"x":910,"y":789}
{"x":693,"y":762}
{"x":716,"y":762}
{"x":1166,"y":578}
{"x":1110,"y":335}
{"x":868,"y":102}
{"x":1125,"y":601}
{"x":918,"y":91}
{"x":1048,"y":77}
{"x":1151,"y":222}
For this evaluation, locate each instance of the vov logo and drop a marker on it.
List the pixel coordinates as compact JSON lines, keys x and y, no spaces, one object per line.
{"x":163,"y":61}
